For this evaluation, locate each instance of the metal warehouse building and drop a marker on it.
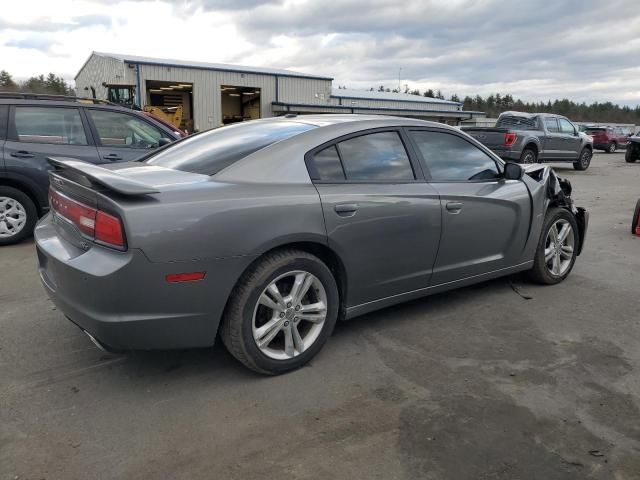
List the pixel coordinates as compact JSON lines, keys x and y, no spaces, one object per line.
{"x":217,"y":94}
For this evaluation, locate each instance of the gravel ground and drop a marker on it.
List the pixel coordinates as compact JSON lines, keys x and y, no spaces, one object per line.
{"x":480,"y":383}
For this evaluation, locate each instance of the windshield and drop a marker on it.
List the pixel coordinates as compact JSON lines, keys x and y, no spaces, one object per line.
{"x":210,"y":152}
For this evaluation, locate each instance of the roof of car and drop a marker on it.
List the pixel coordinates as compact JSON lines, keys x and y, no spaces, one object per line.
{"x":324,"y":120}
{"x":530,"y":115}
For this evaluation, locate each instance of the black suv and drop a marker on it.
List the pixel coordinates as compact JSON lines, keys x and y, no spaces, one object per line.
{"x":34,"y":127}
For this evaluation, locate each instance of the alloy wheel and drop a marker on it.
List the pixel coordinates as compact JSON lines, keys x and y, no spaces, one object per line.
{"x":585,"y":159}
{"x":612,"y":147}
{"x":289,"y":315}
{"x":13,"y":217}
{"x":559,"y":247}
{"x":528,"y":158}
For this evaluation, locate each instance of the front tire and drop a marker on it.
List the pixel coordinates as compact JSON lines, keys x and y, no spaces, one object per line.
{"x":18,"y":216}
{"x":631,"y":155}
{"x":557,"y":248}
{"x":281,"y":312}
{"x":584,"y":160}
{"x":612,"y":147}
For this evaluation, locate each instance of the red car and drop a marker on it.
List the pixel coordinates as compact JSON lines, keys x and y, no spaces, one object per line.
{"x":607,"y":138}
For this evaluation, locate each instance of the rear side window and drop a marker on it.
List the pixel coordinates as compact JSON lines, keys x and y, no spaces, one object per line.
{"x":49,"y":125}
{"x":450,"y":158}
{"x":517,"y":123}
{"x":211,"y":151}
{"x":376,"y":157}
{"x":117,"y":129}
{"x":552,"y":125}
{"x":328,"y":166}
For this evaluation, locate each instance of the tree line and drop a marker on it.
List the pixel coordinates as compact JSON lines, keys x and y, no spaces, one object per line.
{"x":51,"y":84}
{"x":494,"y":104}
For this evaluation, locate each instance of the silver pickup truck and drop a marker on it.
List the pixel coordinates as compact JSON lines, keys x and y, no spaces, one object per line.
{"x":536,"y":138}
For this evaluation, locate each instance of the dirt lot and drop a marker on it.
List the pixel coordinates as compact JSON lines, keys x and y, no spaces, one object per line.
{"x":480,"y":383}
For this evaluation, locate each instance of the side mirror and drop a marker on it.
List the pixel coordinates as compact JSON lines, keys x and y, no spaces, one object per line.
{"x":513,"y":171}
{"x":164,"y":141}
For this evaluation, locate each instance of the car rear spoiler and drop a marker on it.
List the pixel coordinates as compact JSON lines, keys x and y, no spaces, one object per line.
{"x":103,"y":176}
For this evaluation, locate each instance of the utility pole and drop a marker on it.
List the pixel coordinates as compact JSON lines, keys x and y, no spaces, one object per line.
{"x":399,"y":79}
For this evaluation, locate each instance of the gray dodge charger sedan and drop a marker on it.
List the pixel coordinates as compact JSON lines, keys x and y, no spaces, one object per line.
{"x":269,"y":231}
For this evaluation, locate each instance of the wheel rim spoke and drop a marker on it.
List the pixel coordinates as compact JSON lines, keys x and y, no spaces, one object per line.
{"x":298,"y":343}
{"x":549,"y":252}
{"x":567,"y":252}
{"x":288,"y":342}
{"x":267,"y":302}
{"x":266,"y":333}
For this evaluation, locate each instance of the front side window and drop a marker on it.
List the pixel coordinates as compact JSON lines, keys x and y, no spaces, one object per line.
{"x":117,"y":129}
{"x":552,"y":125}
{"x":452,"y":159}
{"x":566,"y":126}
{"x":211,"y":151}
{"x":49,"y":125}
{"x":376,"y":157}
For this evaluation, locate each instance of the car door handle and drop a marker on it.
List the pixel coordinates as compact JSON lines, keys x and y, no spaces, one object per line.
{"x":346,"y":209}
{"x":22,"y":154}
{"x":112,"y":156}
{"x":454,"y":207}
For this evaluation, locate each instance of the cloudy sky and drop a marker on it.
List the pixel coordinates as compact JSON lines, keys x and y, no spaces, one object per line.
{"x":534,"y":49}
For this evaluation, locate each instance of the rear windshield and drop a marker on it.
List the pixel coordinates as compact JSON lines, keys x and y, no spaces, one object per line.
{"x":517,"y":123}
{"x":211,"y":151}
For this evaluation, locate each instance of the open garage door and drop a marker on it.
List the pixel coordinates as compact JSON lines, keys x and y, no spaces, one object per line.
{"x":171,"y":101}
{"x":239,"y":103}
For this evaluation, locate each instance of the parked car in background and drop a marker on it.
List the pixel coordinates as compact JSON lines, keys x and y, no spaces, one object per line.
{"x":633,"y":149}
{"x":34,"y":127}
{"x":536,"y":137}
{"x":270,"y":230}
{"x":608,"y":139}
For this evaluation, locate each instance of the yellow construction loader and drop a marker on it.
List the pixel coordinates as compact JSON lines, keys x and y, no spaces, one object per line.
{"x":172,"y":115}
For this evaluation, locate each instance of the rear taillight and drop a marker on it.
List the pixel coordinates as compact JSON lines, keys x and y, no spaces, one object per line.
{"x":510,"y":139}
{"x":92,"y":223}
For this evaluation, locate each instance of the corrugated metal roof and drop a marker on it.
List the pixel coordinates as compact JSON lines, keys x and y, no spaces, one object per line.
{"x":208,"y":66}
{"x":389,"y":96}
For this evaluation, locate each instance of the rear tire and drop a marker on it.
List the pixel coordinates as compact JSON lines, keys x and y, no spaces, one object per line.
{"x":18,"y":215}
{"x":528,"y":156}
{"x":584,"y":160}
{"x":552,"y":248}
{"x":631,"y":155}
{"x":612,"y":147}
{"x":299,"y":331}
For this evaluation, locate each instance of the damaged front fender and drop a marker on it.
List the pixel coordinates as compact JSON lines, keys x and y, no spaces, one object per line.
{"x":558,"y":194}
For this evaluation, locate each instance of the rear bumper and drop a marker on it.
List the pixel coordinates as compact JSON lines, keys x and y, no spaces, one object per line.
{"x":123,"y":300}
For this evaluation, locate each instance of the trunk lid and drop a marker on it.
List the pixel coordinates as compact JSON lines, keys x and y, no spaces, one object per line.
{"x":82,"y":195}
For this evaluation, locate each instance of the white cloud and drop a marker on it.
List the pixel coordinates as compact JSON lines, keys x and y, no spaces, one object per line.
{"x":537,"y":51}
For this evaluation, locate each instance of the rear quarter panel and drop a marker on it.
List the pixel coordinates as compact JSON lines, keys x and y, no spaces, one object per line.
{"x":221,"y":220}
